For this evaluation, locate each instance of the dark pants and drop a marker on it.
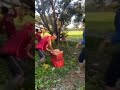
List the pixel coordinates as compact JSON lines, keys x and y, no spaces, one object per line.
{"x":40,"y":53}
{"x":24,"y":68}
{"x":81,"y":57}
{"x":13,"y":65}
{"x":113,"y":72}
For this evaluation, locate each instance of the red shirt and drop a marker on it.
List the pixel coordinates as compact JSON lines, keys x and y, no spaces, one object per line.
{"x":38,"y":36}
{"x":16,"y":45}
{"x":43,"y":44}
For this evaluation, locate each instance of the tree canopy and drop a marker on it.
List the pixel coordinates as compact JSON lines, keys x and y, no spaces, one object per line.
{"x":28,"y":3}
{"x":55,"y":14}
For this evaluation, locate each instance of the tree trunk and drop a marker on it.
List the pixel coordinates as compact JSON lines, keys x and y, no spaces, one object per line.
{"x":55,"y":23}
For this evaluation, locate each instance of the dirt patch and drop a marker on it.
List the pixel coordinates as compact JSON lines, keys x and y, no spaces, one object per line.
{"x":73,"y":81}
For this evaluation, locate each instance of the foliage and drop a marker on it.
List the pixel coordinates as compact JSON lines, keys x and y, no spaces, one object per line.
{"x":46,"y":76}
{"x":50,"y":77}
{"x":57,"y":13}
{"x":28,"y":3}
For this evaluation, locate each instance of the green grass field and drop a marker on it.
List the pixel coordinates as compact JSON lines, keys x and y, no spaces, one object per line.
{"x":74,"y":35}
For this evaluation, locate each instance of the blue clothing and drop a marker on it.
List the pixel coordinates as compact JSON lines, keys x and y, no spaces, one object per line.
{"x":113,"y":72}
{"x":117,"y":21}
{"x":116,"y":38}
{"x":82,"y":42}
{"x":82,"y":55}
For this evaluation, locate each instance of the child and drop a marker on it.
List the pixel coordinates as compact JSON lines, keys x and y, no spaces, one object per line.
{"x":38,"y":35}
{"x":21,"y":20}
{"x":22,"y":48}
{"x":44,"y":31}
{"x":45,"y":45}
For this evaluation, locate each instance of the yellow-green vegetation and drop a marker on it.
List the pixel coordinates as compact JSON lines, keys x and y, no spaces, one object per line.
{"x":78,"y":33}
{"x":100,"y":22}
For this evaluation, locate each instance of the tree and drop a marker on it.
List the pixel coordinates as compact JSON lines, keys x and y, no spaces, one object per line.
{"x":56,"y":13}
{"x":28,"y":3}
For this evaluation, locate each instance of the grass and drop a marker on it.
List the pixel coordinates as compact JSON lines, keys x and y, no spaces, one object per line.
{"x":46,"y":79}
{"x":50,"y":77}
{"x":74,"y":35}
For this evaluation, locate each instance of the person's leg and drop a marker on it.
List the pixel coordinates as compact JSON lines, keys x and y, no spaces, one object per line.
{"x":41,"y":55}
{"x":17,"y":73}
{"x":113,"y":72}
{"x":14,"y":66}
{"x":81,"y":59}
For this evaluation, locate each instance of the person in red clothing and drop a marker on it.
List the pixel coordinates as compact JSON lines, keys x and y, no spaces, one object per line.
{"x":19,"y":48}
{"x":45,"y":45}
{"x":38,"y":35}
{"x":7,"y":22}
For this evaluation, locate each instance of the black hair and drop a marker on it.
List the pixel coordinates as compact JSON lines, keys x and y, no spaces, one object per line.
{"x":4,"y":10}
{"x":84,"y":20}
{"x":36,"y":30}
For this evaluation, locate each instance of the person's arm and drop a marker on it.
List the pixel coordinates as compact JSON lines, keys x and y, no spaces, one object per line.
{"x":49,"y":47}
{"x":29,"y":47}
{"x":78,"y":44}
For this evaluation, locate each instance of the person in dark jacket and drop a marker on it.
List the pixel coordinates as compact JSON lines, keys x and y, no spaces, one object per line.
{"x":112,"y":75}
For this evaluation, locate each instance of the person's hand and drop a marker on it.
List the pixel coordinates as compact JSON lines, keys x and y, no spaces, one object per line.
{"x":77,"y":46}
{"x":52,"y":52}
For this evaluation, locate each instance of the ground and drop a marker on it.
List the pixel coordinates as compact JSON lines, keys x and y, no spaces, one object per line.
{"x":68,"y":77}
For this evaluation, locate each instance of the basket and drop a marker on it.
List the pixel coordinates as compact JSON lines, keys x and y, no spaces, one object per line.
{"x":57,"y":60}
